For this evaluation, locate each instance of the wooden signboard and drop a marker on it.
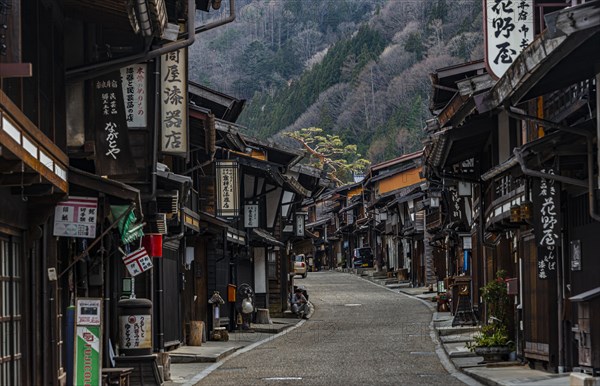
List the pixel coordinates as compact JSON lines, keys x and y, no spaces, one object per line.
{"x":546,"y":206}
{"x":113,"y":154}
{"x":174,"y":135}
{"x":509,"y":28}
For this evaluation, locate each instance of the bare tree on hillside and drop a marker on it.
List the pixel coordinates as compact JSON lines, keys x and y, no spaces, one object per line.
{"x":326,"y":109}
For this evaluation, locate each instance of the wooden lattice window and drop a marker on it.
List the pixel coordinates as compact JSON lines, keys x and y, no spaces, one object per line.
{"x":10,"y":310}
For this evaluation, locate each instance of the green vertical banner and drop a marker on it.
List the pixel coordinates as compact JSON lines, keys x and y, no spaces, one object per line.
{"x":88,"y":357}
{"x":87,"y":369}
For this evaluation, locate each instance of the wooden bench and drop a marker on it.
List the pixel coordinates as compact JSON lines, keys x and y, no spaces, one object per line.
{"x":118,"y":376}
{"x":144,"y":369}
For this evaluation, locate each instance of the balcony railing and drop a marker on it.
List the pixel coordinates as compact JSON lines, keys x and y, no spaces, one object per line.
{"x":561,"y":104}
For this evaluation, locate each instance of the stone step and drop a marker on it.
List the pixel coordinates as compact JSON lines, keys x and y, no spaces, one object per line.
{"x":457,"y":338}
{"x":467,"y":362}
{"x":457,"y":330}
{"x":458,"y":350}
{"x":462,"y":354}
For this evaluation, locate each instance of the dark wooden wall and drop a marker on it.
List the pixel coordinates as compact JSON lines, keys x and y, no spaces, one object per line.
{"x":540,"y":323}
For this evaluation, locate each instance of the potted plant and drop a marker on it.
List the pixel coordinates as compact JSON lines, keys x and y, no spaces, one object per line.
{"x":493,"y":342}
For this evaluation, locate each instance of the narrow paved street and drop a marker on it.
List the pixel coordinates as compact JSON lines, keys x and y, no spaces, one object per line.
{"x":361,"y":334}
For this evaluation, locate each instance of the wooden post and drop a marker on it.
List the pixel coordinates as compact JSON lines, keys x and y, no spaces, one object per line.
{"x":196,"y":332}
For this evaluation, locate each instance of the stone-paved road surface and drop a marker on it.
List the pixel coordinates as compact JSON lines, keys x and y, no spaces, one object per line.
{"x":360,"y":334}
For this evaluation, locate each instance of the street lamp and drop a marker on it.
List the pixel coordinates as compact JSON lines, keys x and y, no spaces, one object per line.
{"x":434,"y":198}
{"x":411,"y":206}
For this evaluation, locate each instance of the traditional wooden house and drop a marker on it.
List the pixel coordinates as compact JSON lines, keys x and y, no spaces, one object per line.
{"x":388,"y":181}
{"x":456,"y":151}
{"x":33,"y":178}
{"x":302,"y":238}
{"x":350,"y":205}
{"x":526,"y":141}
{"x":80,"y":117}
{"x":558,"y":162}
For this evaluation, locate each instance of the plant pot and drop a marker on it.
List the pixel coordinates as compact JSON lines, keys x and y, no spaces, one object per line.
{"x":493,"y":353}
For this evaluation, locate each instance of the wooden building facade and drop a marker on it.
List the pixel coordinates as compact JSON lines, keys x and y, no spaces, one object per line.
{"x":525,"y":143}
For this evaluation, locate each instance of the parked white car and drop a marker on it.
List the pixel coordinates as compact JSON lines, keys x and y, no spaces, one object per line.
{"x":300,"y":266}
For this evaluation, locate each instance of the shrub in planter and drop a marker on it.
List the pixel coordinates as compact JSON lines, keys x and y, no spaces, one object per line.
{"x":493,"y":342}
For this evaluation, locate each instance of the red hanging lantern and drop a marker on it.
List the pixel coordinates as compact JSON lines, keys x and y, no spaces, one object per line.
{"x":153,"y":245}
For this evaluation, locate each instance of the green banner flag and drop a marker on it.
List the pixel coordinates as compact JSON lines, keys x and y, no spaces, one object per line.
{"x":129,"y":230}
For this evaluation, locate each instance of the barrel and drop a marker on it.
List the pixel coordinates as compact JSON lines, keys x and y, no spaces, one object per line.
{"x":135,"y":326}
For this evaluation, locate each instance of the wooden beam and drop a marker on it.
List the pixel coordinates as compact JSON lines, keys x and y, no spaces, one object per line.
{"x":15,"y":70}
{"x":36,"y":135}
{"x":8,"y":143}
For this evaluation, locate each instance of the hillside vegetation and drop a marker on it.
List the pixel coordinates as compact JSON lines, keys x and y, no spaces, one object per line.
{"x":359,"y":70}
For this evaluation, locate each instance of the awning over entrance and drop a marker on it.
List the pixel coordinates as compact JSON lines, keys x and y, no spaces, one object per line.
{"x":457,"y":144}
{"x":213,"y":220}
{"x":586,"y":296}
{"x":266,"y":237}
{"x":28,"y":158}
{"x":105,"y":185}
{"x":317,"y":223}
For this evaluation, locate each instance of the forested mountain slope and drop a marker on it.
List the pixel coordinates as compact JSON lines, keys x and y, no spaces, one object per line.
{"x":354,"y":68}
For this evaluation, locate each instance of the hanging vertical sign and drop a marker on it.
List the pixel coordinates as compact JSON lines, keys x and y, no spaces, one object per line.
{"x":174,"y":135}
{"x":76,"y":217}
{"x":576,"y":255}
{"x":509,"y":28}
{"x":299,"y":224}
{"x":455,"y":205}
{"x":251,"y":216}
{"x":228,"y":191}
{"x":546,"y":207}
{"x":87,"y":368}
{"x":113,"y":155}
{"x":134,"y":94}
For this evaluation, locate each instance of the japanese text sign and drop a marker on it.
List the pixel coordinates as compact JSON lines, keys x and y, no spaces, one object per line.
{"x":135,"y":331}
{"x":137,"y":261}
{"x":113,"y":155}
{"x":251,"y":216}
{"x":509,"y":28}
{"x":134,"y":93}
{"x":546,"y":206}
{"x":76,"y":217}
{"x":228,"y":188}
{"x":89,"y":312}
{"x":299,"y":224}
{"x":87,"y":366}
{"x":174,"y":137}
